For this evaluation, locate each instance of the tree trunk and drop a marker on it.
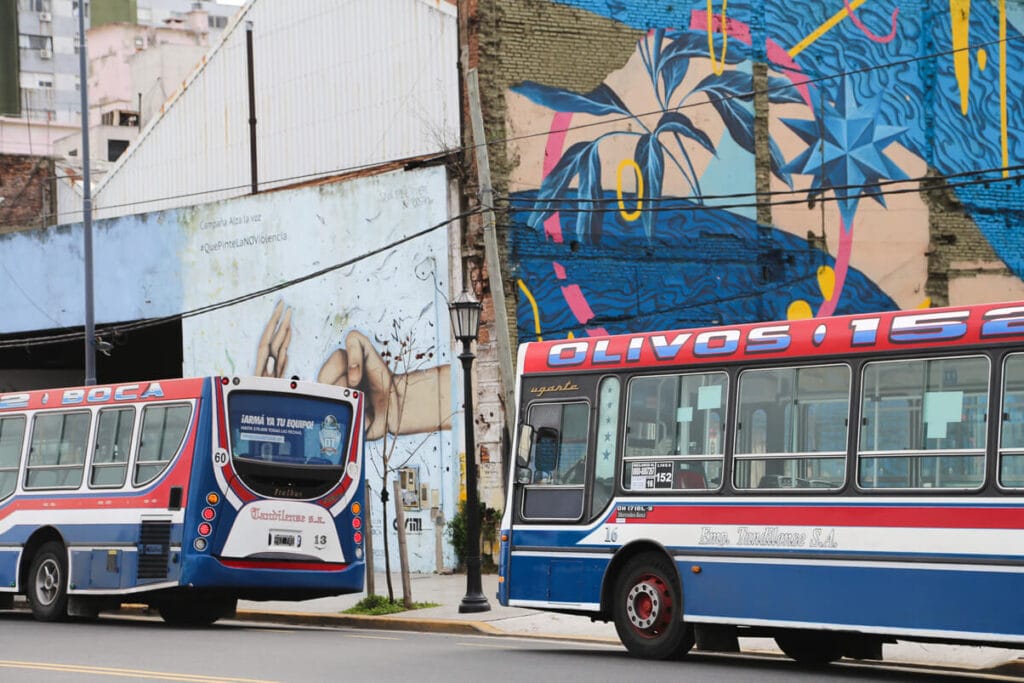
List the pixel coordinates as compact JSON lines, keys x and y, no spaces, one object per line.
{"x":387,"y":551}
{"x":403,"y":558}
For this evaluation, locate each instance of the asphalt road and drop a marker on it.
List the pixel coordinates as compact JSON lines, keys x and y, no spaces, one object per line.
{"x":128,"y":649}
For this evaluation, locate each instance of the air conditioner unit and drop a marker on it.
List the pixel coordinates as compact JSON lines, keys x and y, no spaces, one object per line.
{"x":45,"y":16}
{"x":45,"y":53}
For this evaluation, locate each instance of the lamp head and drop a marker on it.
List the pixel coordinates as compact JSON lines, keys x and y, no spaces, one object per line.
{"x":465,"y":312}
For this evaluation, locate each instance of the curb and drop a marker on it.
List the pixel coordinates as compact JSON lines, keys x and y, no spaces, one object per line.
{"x":386,"y":623}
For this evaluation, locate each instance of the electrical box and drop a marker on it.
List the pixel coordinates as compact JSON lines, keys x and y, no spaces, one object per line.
{"x":409,"y":484}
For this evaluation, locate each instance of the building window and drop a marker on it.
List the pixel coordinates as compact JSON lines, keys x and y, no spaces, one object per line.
{"x":74,"y":8}
{"x":32,"y":42}
{"x":115,"y":148}
{"x":217,"y":22}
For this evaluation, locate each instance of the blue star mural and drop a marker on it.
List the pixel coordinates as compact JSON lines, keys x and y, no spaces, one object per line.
{"x":845,"y":149}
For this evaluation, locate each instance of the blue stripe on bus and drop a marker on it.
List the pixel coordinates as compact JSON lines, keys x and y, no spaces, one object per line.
{"x":881,"y":598}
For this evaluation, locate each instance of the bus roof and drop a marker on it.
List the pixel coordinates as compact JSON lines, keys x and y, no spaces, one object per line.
{"x":103,"y":394}
{"x":989,"y":324}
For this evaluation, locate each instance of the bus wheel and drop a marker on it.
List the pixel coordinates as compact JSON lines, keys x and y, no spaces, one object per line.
{"x":47,"y":589}
{"x":648,"y":609}
{"x":813,"y":648}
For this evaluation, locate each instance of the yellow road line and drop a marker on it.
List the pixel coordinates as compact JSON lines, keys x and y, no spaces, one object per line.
{"x":125,"y":673}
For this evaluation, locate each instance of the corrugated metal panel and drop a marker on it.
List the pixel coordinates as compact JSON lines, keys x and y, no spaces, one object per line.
{"x":339,"y":85}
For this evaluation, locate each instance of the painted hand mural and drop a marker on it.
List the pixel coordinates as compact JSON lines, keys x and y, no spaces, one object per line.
{"x":642,"y":216}
{"x":415,"y":401}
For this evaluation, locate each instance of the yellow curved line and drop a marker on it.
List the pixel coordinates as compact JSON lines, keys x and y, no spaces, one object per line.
{"x":824,"y":28}
{"x":716,"y":66}
{"x":533,"y":304}
{"x":630,"y":215}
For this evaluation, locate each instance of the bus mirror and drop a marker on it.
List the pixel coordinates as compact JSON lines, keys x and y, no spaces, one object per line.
{"x":525,"y":444}
{"x":523,"y":475}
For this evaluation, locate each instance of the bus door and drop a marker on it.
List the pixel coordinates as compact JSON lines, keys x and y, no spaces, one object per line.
{"x":552,"y":497}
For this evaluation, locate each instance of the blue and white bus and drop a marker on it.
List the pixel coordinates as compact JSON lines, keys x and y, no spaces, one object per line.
{"x":183,"y":494}
{"x":831,"y":483}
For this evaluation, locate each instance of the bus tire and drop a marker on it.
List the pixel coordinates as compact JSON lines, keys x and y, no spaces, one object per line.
{"x":47,"y":589}
{"x":812,"y":648}
{"x":648,"y":609}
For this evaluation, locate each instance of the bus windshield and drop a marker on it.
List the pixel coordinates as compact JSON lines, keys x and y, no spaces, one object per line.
{"x":288,"y":429}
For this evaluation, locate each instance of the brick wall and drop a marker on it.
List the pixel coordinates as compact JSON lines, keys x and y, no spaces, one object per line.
{"x":27,"y":190}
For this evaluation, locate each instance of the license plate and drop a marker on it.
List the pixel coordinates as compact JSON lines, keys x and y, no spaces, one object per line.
{"x":278,"y":540}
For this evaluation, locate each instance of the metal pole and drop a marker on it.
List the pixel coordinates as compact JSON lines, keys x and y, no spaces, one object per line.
{"x":252,"y":106}
{"x":90,"y":324}
{"x":474,"y":600}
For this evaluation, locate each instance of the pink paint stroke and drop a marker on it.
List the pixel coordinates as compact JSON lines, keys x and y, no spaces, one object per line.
{"x":559,"y":270}
{"x":552,"y":153}
{"x":842,"y":265}
{"x":866,"y":31}
{"x":580,"y":308}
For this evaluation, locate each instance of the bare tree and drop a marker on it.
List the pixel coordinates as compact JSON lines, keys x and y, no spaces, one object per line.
{"x":403,"y":359}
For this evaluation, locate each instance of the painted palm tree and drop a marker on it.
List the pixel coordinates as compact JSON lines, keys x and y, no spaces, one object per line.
{"x":667,"y":144}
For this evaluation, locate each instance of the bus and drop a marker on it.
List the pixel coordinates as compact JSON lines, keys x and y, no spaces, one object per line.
{"x":185,"y":495}
{"x":834,"y":484}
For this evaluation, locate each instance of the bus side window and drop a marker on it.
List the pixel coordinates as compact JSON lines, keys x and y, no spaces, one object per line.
{"x":113,"y":444}
{"x":559,"y":453}
{"x":163,"y":429}
{"x":12,"y":437}
{"x":1011,"y":436}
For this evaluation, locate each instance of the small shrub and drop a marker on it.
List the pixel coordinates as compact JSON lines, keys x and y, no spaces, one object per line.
{"x":379,"y":605}
{"x":456,"y":530}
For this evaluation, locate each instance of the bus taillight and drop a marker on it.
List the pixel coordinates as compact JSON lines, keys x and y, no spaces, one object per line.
{"x":357,"y":523}
{"x":205,"y":529}
{"x":209,"y":514}
{"x":358,"y":538}
{"x":212,"y":498}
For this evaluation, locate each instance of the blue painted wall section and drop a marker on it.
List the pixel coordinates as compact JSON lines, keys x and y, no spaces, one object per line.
{"x":648,"y":221}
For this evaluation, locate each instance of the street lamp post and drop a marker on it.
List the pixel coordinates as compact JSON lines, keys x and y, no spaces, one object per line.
{"x":465,"y":312}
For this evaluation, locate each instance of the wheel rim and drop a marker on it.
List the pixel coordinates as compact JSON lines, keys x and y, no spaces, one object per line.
{"x":649,"y":606}
{"x":48,"y":581}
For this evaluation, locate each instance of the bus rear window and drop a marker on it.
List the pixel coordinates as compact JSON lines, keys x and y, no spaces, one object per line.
{"x":288,"y":429}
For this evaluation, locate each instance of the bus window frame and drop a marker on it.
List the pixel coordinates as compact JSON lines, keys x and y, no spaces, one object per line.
{"x":998,"y":451}
{"x":16,"y":470}
{"x":56,"y":467}
{"x":137,"y":449}
{"x":624,"y":428}
{"x":986,"y":452}
{"x":583,"y":488}
{"x":132,"y":447}
{"x":734,"y":457}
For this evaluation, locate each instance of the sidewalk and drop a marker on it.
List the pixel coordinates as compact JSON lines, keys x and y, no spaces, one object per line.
{"x":447,"y":591}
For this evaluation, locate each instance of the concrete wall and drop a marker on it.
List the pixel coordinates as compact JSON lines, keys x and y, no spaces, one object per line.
{"x":711,"y":114}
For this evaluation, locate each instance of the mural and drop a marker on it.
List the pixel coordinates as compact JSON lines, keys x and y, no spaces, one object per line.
{"x":379,"y":322}
{"x":637,"y":209}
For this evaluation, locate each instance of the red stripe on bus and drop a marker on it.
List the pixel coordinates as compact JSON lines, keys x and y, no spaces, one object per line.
{"x":293,"y":566}
{"x":852,"y":516}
